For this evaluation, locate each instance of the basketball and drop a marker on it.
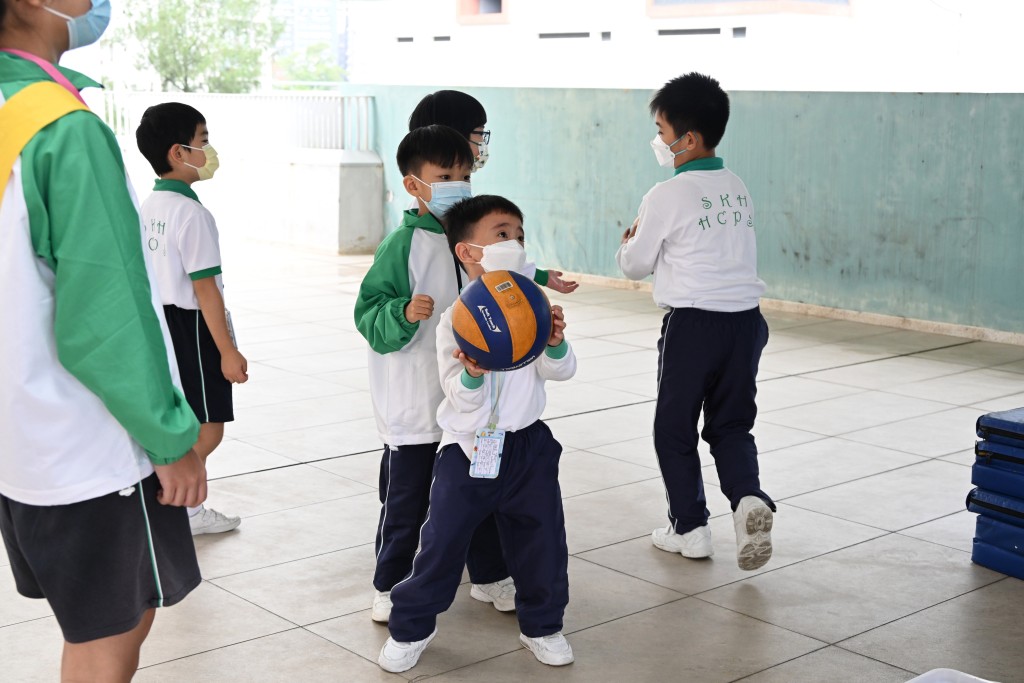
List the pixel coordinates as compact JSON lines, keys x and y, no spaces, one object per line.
{"x":502,"y":320}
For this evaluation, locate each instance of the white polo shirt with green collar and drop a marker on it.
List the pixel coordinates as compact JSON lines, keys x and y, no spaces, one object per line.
{"x":181,"y":236}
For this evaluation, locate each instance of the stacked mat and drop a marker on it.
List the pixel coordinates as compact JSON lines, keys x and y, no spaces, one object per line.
{"x":998,"y":474}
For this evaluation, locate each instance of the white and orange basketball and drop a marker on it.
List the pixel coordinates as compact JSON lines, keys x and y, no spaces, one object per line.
{"x":502,"y":320}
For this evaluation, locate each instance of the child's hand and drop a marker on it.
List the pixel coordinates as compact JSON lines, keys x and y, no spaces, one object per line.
{"x":472,"y":368}
{"x":235,"y":367}
{"x":557,"y":326}
{"x":631,"y":232}
{"x":420,"y":308}
{"x":556,"y":282}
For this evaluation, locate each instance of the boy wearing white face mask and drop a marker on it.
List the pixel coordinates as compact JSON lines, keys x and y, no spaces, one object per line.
{"x":466,"y":115}
{"x":183,"y":241}
{"x":695,"y":233}
{"x":486,"y":233}
{"x":413,"y":273}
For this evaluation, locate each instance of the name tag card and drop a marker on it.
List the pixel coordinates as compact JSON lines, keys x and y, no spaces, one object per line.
{"x":486,"y":459}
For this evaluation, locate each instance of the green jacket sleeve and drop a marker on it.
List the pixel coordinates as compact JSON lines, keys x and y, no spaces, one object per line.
{"x":384,"y":293}
{"x":541,"y":277}
{"x":84,"y":225}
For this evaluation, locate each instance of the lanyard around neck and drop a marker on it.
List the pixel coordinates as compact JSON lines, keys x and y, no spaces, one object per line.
{"x":50,"y":69}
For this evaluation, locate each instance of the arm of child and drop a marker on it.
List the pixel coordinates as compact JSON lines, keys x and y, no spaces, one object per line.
{"x":461,"y":379}
{"x":552,"y":279}
{"x":211,"y":303}
{"x":641,"y":245}
{"x":386,"y":312}
{"x":558,"y":362}
{"x":105,"y":315}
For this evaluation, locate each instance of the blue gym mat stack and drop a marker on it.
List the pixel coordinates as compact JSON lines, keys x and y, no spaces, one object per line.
{"x":998,"y":474}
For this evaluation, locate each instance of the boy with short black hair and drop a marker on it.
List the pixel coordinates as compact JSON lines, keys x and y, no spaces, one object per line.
{"x":412,"y":274}
{"x":525,"y":497}
{"x":695,"y":233}
{"x":183,"y":241}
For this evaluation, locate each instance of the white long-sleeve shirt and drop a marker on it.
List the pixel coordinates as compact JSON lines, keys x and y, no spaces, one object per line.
{"x":696,"y":235}
{"x":466,"y":407}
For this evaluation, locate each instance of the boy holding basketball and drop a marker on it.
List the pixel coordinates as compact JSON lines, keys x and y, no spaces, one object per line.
{"x":695,"y":233}
{"x":522,"y":490}
{"x":413,"y":273}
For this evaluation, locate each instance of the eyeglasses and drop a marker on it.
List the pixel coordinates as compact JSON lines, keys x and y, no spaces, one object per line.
{"x":485,"y":136}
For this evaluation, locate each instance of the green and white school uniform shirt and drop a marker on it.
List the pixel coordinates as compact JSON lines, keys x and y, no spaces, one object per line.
{"x":86,"y":384}
{"x":404,"y":383}
{"x":181,"y":236}
{"x":696,"y":236}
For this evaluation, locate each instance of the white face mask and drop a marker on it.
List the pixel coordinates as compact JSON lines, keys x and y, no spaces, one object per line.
{"x":507,"y":255}
{"x":663,"y":152}
{"x":481,"y":156}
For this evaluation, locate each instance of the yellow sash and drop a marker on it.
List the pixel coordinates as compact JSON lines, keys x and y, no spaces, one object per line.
{"x":31,"y":109}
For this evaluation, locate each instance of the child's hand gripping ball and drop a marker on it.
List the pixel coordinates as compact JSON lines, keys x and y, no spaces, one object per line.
{"x":502,"y":320}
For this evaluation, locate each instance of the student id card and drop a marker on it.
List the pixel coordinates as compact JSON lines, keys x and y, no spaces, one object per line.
{"x":486,"y":459}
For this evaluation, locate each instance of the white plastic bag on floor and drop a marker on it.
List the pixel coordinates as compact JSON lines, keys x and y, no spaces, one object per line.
{"x":948,"y":676}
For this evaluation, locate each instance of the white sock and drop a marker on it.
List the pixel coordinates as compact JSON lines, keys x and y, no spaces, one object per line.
{"x":192,"y":512}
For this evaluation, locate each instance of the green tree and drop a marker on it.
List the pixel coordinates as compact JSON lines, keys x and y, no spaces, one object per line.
{"x":199,"y":45}
{"x":313,"y":66}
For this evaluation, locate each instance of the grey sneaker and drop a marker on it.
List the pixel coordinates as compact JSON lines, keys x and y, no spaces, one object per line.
{"x":209,"y":521}
{"x":397,"y":657}
{"x":694,"y":544}
{"x":553,"y":650}
{"x":381,"y":612}
{"x":502,"y":594}
{"x":753,"y":521}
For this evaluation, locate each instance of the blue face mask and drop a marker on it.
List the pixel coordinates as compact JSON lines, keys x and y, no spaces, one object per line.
{"x":86,"y":29}
{"x":444,"y":195}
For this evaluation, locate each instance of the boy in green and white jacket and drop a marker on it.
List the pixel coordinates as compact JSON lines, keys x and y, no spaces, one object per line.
{"x":413,"y":274}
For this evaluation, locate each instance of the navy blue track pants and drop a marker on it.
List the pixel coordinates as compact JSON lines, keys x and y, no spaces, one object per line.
{"x":526,"y":501}
{"x":405,"y":474}
{"x":707,"y":360}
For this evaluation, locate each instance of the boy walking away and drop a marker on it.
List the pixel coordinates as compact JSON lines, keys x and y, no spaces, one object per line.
{"x":413,"y":273}
{"x":523,"y":494}
{"x":95,"y":440}
{"x":695,"y":233}
{"x":183,"y":240}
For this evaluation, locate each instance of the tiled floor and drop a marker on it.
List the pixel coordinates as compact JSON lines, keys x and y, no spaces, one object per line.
{"x":865,"y":434}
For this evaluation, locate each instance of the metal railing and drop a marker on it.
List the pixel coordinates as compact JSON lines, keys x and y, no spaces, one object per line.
{"x":306,"y":120}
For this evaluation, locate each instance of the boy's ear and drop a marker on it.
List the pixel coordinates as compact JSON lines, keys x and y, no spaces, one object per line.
{"x":174,"y":155}
{"x":411,"y":185}
{"x":462,"y":253}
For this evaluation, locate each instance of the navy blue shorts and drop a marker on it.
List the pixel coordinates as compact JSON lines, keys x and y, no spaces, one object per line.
{"x":206,"y":389}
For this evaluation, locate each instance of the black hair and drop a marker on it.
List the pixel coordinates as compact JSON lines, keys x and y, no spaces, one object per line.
{"x":162,"y":127}
{"x":694,"y":102}
{"x":439,"y":145}
{"x":452,"y":108}
{"x":3,"y":10}
{"x":463,"y":216}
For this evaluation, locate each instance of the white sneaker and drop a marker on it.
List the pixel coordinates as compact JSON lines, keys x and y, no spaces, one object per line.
{"x":209,"y":521}
{"x":695,"y":544}
{"x":381,"y":611}
{"x":753,"y":520}
{"x":501,"y":594}
{"x":553,"y":650}
{"x":397,"y":657}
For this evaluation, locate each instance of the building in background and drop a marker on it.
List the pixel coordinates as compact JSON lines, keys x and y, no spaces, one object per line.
{"x":817,"y":45}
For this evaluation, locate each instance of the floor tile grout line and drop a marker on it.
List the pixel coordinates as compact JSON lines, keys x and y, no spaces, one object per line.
{"x":214,"y":649}
{"x":631,"y":576}
{"x":1002,"y":577}
{"x":281,"y":564}
{"x":824,"y":646}
{"x":297,"y":463}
